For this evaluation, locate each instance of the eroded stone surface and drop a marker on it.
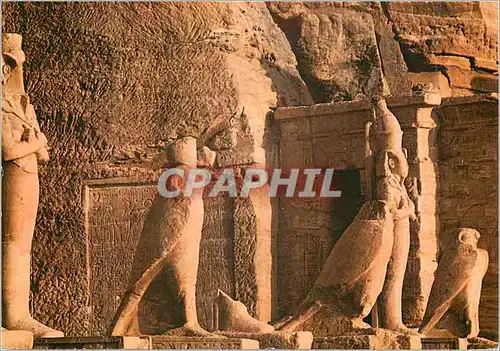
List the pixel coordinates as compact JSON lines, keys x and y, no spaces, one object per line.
{"x":377,"y":339}
{"x":132,"y":77}
{"x":456,"y":291}
{"x":94,"y":342}
{"x":171,"y":342}
{"x":24,"y":146}
{"x":17,"y":339}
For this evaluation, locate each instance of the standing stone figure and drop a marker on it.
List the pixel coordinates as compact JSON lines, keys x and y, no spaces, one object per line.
{"x":24,"y":146}
{"x":170,"y":242}
{"x":368,"y":262}
{"x":455,"y":293}
{"x":391,"y":168}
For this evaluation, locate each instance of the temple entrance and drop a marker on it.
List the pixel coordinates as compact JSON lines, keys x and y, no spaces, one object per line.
{"x":347,"y":206}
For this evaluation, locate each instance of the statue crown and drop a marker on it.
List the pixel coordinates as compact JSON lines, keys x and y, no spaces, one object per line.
{"x":11,"y":42}
{"x":388,"y":133}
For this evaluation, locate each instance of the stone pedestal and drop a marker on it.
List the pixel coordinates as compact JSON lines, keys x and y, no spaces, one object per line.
{"x":380,"y":340}
{"x":16,"y":339}
{"x":174,"y":342}
{"x":277,"y":340}
{"x":93,"y":342}
{"x":481,"y":343}
{"x":444,"y":344}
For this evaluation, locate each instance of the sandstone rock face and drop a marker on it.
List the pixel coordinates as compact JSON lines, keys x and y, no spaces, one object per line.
{"x":458,"y":40}
{"x":468,"y":186}
{"x":341,"y":46}
{"x":336,"y":47}
{"x":111,"y":83}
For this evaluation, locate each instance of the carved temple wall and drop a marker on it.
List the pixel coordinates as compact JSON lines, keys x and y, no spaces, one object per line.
{"x":468,"y":197}
{"x":111,"y":83}
{"x":109,"y":92}
{"x":442,"y":145}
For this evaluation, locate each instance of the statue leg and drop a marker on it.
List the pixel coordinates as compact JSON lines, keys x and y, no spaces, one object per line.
{"x":183,"y":271}
{"x":19,"y":207}
{"x":390,"y":301}
{"x":186,"y":267}
{"x":472,"y":320}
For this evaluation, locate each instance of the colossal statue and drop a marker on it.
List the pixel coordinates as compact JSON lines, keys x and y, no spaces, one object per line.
{"x":170,"y":242}
{"x":24,"y":146}
{"x":368,"y":262}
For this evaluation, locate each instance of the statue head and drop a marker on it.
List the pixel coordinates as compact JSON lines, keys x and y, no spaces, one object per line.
{"x":468,"y":236}
{"x":388,"y":136}
{"x":386,"y":128}
{"x":183,"y":152}
{"x":392,"y":163}
{"x":12,"y":64}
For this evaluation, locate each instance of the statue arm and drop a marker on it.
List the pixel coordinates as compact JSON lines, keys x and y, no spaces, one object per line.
{"x":42,"y":155}
{"x":13,"y":149}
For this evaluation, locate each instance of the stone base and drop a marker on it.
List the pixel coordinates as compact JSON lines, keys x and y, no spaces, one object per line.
{"x":379,"y":340}
{"x":16,"y":339}
{"x":481,"y":343}
{"x":444,"y":344}
{"x":276,"y":340}
{"x":93,"y":342}
{"x":191,"y":342}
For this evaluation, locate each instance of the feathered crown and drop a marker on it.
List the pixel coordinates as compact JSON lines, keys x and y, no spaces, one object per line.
{"x":386,"y":128}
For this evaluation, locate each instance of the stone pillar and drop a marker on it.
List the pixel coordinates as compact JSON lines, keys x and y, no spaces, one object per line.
{"x":238,"y":147}
{"x":419,"y":127}
{"x":252,"y":253}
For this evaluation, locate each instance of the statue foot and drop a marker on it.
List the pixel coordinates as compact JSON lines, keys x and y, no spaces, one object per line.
{"x":403,"y":329}
{"x":192,"y":329}
{"x":359,"y":323}
{"x":472,"y":329}
{"x":38,"y":329}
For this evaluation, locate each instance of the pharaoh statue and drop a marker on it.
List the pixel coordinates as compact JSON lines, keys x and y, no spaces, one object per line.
{"x":169,"y":243}
{"x":24,"y":146}
{"x":368,"y":262}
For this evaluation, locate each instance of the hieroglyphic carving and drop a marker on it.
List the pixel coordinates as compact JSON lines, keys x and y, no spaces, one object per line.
{"x":169,"y":342}
{"x":216,"y":268}
{"x":114,"y":219}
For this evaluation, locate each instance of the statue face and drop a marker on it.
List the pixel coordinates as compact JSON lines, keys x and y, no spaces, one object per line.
{"x":12,"y":72}
{"x":397,"y":163}
{"x":6,"y":71}
{"x":468,"y":236}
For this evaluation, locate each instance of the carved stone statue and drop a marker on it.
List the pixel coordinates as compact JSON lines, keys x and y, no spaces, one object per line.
{"x":368,"y":262}
{"x":233,"y":316}
{"x":24,"y":146}
{"x":414,"y":189}
{"x":455,"y":293}
{"x":170,"y":242}
{"x":391,"y":169}
{"x":233,"y":321}
{"x":352,"y":277}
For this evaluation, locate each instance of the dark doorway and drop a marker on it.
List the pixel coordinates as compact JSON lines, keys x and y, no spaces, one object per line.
{"x":347,"y":206}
